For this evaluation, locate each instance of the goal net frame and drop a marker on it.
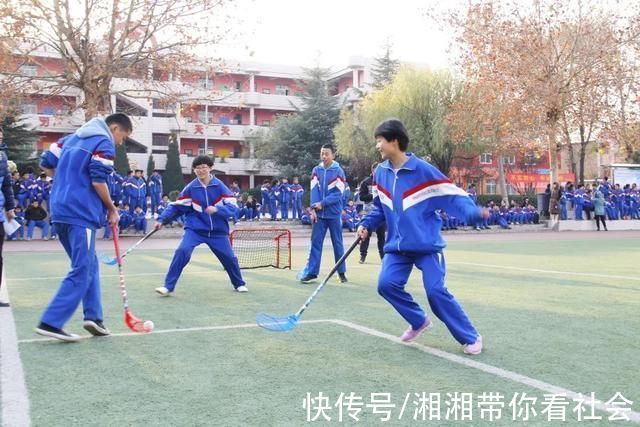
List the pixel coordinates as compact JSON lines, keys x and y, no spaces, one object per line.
{"x":280,"y":242}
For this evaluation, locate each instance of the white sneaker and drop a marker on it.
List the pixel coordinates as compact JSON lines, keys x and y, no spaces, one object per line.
{"x":242,"y":288}
{"x":163,"y":291}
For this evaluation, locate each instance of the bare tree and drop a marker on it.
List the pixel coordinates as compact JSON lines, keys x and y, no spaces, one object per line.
{"x":99,"y":40}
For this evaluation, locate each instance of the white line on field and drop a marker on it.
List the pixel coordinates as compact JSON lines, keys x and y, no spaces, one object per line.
{"x":166,"y":331}
{"x":535,"y":270}
{"x":503,"y":267}
{"x":461,"y":360}
{"x":499,"y":372}
{"x":15,"y":399}
{"x":26,"y":279}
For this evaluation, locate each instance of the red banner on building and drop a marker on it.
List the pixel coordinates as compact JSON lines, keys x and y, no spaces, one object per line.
{"x":537,"y":181}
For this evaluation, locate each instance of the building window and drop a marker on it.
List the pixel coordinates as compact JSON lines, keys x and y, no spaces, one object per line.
{"x":491,"y":186}
{"x":29,"y":109}
{"x":282,"y":90}
{"x":266,"y":91}
{"x":266,"y":123}
{"x":158,"y":151}
{"x":529,"y":159}
{"x":29,"y":70}
{"x":509,"y":159}
{"x":205,"y":83}
{"x":188,"y":151}
{"x":205,"y":117}
{"x":160,"y":139}
{"x":159,"y":104}
{"x":237,"y":119}
{"x":238,"y":86}
{"x":486,"y":159}
{"x":511,"y":190}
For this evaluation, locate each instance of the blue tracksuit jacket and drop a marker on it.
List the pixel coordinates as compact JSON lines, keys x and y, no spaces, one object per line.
{"x":79,"y":160}
{"x":407,"y":201}
{"x":327,"y":187}
{"x":193,"y":201}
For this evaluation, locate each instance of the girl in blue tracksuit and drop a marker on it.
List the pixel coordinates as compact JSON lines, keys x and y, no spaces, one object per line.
{"x":207,"y":204}
{"x":327,"y":187}
{"x":409,"y":191}
{"x":80,"y":202}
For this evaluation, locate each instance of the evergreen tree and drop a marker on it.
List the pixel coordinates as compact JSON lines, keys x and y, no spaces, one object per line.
{"x":295,"y":141}
{"x":20,"y":140}
{"x":384,"y":68}
{"x":151,"y":165}
{"x":172,"y":179}
{"x":121,"y":163}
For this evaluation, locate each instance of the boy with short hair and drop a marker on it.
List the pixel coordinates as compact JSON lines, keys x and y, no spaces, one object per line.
{"x":207,"y":203}
{"x":409,"y":191}
{"x":327,"y":188}
{"x":80,"y":202}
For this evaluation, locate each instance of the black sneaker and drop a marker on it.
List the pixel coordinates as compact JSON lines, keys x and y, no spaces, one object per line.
{"x":4,"y":304}
{"x":343,"y":278}
{"x":308,"y":278}
{"x":96,"y":328}
{"x":362,"y":258}
{"x":50,"y":331}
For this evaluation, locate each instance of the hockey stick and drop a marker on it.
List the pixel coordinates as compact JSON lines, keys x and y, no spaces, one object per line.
{"x":132,"y":322}
{"x":112,"y":260}
{"x":286,"y":323}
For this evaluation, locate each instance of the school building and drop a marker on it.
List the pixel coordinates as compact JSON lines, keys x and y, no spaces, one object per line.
{"x":219,"y":113}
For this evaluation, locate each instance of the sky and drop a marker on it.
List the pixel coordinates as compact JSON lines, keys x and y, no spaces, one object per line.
{"x":328,"y":32}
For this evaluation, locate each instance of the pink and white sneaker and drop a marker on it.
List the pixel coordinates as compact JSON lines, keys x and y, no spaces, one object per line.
{"x":475,"y":348}
{"x":411,"y":334}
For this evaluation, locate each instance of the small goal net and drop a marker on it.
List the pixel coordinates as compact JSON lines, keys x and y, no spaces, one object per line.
{"x":262,"y":247}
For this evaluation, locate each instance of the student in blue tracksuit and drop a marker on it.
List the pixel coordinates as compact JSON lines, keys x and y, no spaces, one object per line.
{"x":274,"y":198}
{"x":24,"y":196}
{"x":346,"y":195}
{"x":114,"y":181}
{"x":138,"y":188}
{"x":327,"y":188}
{"x":155,"y":190}
{"x":285,"y":198}
{"x":409,"y":192}
{"x":306,"y":217}
{"x":139,"y":221}
{"x":80,"y":202}
{"x":207,"y":204}
{"x":126,"y":219}
{"x":127,"y":188}
{"x":578,"y":201}
{"x":7,"y":201}
{"x":297,"y":192}
{"x":266,"y":200}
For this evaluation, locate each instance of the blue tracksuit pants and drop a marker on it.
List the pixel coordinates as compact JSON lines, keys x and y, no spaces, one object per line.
{"x":82,"y":282}
{"x":396,"y":268}
{"x":155,"y":202}
{"x":317,"y":238}
{"x":297,"y":208}
{"x":219,"y":245}
{"x":284,"y":209}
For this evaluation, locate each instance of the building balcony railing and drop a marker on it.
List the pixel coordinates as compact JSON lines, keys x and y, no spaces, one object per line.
{"x":54,"y":122}
{"x":220,"y":131}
